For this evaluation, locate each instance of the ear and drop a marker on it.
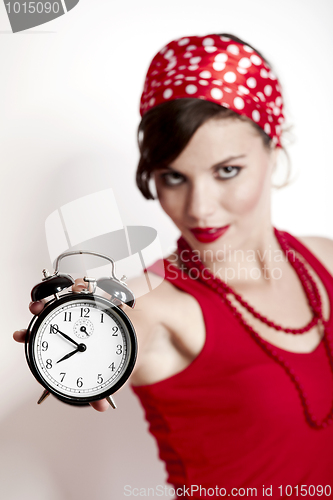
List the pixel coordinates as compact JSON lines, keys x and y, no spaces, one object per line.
{"x":274,"y":154}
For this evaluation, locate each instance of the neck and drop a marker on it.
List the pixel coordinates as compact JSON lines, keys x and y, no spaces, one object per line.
{"x":256,"y":259}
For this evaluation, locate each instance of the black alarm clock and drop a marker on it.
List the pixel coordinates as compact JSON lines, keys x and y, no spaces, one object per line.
{"x":82,"y":347}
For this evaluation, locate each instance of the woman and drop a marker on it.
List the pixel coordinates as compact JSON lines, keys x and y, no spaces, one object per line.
{"x":235,"y":364}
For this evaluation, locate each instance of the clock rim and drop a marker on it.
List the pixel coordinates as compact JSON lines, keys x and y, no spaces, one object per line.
{"x":32,"y":332}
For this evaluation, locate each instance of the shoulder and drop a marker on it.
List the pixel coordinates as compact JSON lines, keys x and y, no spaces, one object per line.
{"x":164,"y":304}
{"x":164,"y":320}
{"x":321,"y":247}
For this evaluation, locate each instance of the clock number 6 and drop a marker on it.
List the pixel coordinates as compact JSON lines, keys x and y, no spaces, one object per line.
{"x":79,"y":382}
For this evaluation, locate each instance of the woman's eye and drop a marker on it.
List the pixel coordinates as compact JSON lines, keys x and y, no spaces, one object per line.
{"x":172,"y":178}
{"x":227,"y":172}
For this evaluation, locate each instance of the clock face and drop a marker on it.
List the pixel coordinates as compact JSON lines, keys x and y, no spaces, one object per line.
{"x":82,"y":348}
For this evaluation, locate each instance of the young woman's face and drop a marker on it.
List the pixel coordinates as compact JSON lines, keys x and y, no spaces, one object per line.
{"x":217,"y":191}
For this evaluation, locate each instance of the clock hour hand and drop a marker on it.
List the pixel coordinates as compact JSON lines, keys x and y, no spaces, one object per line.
{"x":56,"y":329}
{"x":80,"y":348}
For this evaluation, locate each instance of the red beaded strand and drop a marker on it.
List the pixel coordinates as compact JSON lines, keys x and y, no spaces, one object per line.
{"x":314,"y":300}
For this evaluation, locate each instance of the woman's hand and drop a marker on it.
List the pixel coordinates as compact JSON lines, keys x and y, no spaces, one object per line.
{"x":36,"y":308}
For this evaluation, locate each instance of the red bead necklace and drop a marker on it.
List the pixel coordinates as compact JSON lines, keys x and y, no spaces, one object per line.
{"x":314,"y":300}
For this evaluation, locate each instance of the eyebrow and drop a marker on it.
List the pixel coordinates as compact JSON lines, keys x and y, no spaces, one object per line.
{"x":228,"y":160}
{"x":219,"y":164}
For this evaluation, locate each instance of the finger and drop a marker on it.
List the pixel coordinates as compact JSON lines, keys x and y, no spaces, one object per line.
{"x":101,"y":405}
{"x":79,"y":285}
{"x":36,"y":307}
{"x":19,"y":335}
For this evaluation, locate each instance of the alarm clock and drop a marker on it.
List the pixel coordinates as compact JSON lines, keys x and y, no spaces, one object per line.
{"x":82,"y":347}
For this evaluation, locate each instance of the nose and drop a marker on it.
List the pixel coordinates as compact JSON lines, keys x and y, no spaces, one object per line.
{"x":201,"y":203}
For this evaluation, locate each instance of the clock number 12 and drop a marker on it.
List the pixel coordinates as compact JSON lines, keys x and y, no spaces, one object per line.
{"x":85,"y":312}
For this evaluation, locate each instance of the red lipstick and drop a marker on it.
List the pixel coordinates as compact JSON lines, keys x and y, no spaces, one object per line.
{"x":208,"y":234}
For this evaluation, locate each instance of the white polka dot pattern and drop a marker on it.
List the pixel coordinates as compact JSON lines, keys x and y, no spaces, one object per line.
{"x":216,"y":93}
{"x":244,"y":62}
{"x":167,"y":94}
{"x":230,"y":77}
{"x":220,"y":70}
{"x":218,"y":66}
{"x":239,"y":103}
{"x":233,"y":49}
{"x":207,"y":41}
{"x":191,"y":89}
{"x":256,"y":116}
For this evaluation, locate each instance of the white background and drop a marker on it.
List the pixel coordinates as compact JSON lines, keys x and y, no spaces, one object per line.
{"x":69,"y":94}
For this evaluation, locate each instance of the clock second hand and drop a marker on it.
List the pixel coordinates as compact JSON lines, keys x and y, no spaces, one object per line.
{"x":84,"y":330}
{"x":80,"y":348}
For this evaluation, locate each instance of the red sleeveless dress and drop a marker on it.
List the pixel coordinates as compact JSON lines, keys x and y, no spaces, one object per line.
{"x":233,"y":420}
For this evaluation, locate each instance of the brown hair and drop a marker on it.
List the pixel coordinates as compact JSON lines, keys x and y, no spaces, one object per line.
{"x":167,"y":128}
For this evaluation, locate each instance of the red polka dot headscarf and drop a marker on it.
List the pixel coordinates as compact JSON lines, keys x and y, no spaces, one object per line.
{"x":218,"y":69}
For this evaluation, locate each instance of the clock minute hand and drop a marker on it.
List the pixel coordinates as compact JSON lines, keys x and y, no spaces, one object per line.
{"x":65,"y":336}
{"x":80,"y":348}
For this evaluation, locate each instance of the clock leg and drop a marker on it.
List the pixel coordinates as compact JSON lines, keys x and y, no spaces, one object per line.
{"x":43,"y":397}
{"x":111,"y":402}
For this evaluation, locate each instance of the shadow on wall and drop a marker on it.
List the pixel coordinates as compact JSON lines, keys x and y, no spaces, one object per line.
{"x":59,"y":452}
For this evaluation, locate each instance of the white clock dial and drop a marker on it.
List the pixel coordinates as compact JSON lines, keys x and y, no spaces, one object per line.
{"x":82,"y":348}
